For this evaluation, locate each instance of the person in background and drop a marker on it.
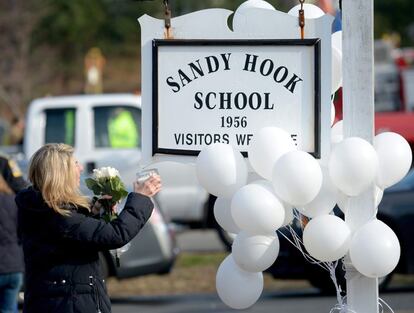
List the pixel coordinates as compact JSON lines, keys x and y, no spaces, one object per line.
{"x":12,"y":173}
{"x":61,"y":238}
{"x":122,"y":130}
{"x":11,"y":253}
{"x":332,"y":8}
{"x":16,"y":131}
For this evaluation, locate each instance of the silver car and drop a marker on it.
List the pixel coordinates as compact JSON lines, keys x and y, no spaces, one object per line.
{"x":152,"y":251}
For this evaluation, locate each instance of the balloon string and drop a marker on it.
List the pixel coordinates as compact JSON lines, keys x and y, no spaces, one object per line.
{"x":338,"y":289}
{"x":341,"y":306}
{"x":381,"y":303}
{"x":297,"y":242}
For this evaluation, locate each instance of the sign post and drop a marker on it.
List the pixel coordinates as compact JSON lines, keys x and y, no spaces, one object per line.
{"x":358,"y":110}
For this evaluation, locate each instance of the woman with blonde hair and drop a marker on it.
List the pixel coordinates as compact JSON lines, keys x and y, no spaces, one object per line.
{"x":61,"y":238}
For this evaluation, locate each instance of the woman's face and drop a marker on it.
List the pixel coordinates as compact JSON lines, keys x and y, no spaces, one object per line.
{"x":78,"y":171}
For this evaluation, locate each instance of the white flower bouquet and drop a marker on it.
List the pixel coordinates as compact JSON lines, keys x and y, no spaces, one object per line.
{"x":106,"y":181}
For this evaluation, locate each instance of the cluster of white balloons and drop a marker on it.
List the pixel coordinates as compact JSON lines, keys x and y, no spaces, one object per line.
{"x":295,"y":179}
{"x":292,"y":178}
{"x":354,"y":166}
{"x":252,"y":210}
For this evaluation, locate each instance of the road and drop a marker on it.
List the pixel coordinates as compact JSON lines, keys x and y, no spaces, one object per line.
{"x":309,"y":301}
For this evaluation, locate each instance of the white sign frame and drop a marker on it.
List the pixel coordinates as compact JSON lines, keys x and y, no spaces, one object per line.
{"x":165,"y":92}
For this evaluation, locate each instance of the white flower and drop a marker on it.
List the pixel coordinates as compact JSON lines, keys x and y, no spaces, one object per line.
{"x":97,"y":173}
{"x":105,"y":172}
{"x":112,"y":172}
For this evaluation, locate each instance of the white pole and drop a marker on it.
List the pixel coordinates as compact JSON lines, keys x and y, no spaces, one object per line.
{"x":358,"y":109}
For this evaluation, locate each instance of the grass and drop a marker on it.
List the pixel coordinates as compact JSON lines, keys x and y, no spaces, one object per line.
{"x":192,"y":273}
{"x":186,"y":260}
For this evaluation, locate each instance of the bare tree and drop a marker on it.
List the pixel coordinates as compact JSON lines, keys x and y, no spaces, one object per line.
{"x":18,"y":19}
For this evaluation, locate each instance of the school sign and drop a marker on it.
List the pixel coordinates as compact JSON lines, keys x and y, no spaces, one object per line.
{"x":224,"y":89}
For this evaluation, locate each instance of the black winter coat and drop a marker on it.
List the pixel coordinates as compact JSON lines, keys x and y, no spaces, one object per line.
{"x":11,"y":253}
{"x":61,"y":253}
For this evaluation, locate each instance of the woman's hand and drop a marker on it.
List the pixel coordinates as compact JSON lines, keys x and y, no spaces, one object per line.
{"x":97,"y":205}
{"x":150,"y":187}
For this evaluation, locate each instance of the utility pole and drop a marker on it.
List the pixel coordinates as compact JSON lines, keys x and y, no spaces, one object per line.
{"x":358,"y":109}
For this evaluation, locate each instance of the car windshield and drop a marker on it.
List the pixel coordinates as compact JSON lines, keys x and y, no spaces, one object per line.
{"x":117,"y":126}
{"x":407,"y":183}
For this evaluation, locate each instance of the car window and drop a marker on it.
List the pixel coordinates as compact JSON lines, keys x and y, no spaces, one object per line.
{"x":60,"y":126}
{"x":117,"y":127}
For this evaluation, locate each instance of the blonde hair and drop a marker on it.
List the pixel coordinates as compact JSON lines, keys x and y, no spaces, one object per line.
{"x":4,"y":186}
{"x":53,"y":173}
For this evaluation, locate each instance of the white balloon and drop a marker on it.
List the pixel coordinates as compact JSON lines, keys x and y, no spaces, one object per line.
{"x":333,"y":113}
{"x":255,"y":253}
{"x":336,"y":69}
{"x":297,"y":178}
{"x":337,"y":132}
{"x":259,"y":4}
{"x":375,"y":249}
{"x":395,"y":157}
{"x":342,"y":199}
{"x":237,"y":288}
{"x":311,"y":11}
{"x":257,"y":210}
{"x":265,"y":184}
{"x":327,"y":238}
{"x":240,"y":15}
{"x":353,"y":165}
{"x":266,"y":147}
{"x":325,"y":200}
{"x":222,"y":213}
{"x":337,"y":40}
{"x":288,"y":208}
{"x":221,"y":170}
